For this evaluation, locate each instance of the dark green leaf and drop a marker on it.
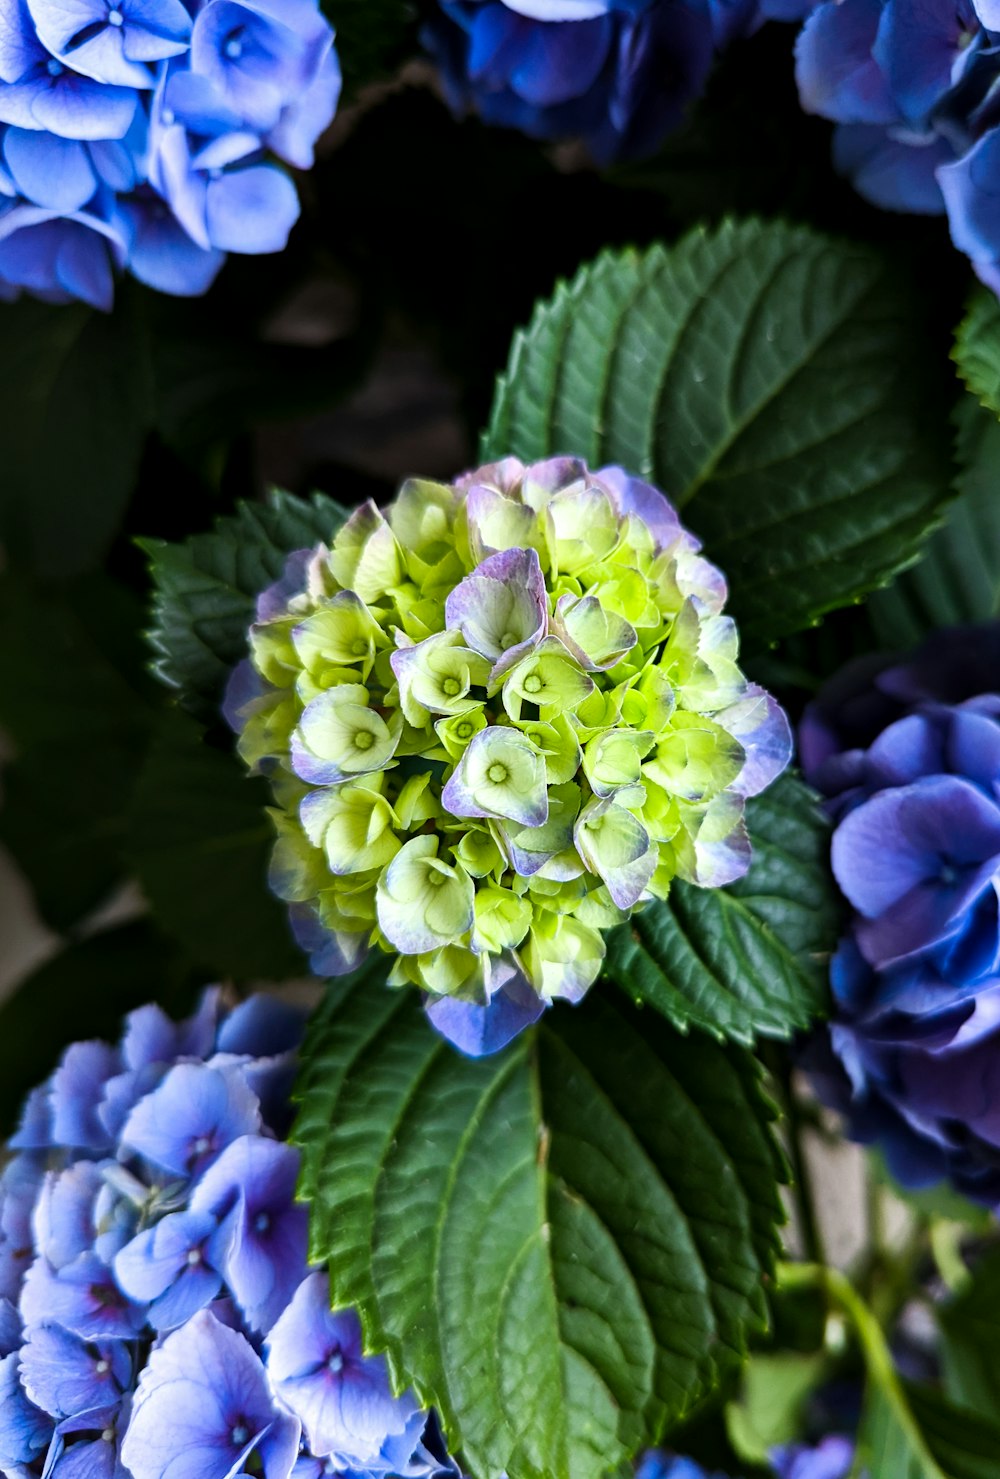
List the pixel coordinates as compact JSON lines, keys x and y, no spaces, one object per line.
{"x":958,"y":579}
{"x":560,"y":1245}
{"x":977,"y":348}
{"x":71,"y":700}
{"x":206,"y":589}
{"x":891,"y":1444}
{"x":750,"y":959}
{"x":773,"y":382}
{"x":964,"y":1443}
{"x":75,"y":406}
{"x":200,"y":840}
{"x":970,"y":1348}
{"x":83,"y":993}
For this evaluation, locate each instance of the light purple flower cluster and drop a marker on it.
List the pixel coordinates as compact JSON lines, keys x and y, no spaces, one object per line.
{"x":617,"y":73}
{"x":908,"y":754}
{"x":144,"y":134}
{"x":913,"y":87}
{"x":158,"y":1318}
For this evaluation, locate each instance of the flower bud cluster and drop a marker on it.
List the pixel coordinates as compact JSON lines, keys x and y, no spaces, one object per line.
{"x":497,"y":718}
{"x":158,"y":1318}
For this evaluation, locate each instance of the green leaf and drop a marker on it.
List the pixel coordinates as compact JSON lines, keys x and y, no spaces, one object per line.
{"x":72,"y":703}
{"x":977,"y":348}
{"x":775,"y":1387}
{"x":964,"y":1443}
{"x":958,"y":579}
{"x":891,"y":1444}
{"x":75,"y":406}
{"x":561,"y":1245}
{"x":83,"y":992}
{"x":200,"y":840}
{"x":773,"y":382}
{"x":749,"y":960}
{"x":970,"y":1350}
{"x":206,"y":589}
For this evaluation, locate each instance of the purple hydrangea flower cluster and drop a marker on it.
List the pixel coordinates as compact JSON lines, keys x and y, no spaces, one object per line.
{"x":158,"y":1318}
{"x":908,"y":755}
{"x":145,"y":134}
{"x":912,"y":86}
{"x":832,"y":1458}
{"x":617,"y":73}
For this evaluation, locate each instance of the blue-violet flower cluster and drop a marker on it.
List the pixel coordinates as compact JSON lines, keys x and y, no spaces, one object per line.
{"x":497,"y":719}
{"x":617,"y":73}
{"x":158,"y":1318}
{"x":831,"y":1458}
{"x":146,"y":135}
{"x":912,"y":86}
{"x":908,"y":754}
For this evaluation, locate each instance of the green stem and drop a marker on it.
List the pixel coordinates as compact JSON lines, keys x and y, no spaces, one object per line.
{"x":874,"y":1347}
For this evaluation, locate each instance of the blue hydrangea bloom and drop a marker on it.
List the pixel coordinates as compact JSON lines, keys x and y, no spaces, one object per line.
{"x":908,"y":755}
{"x":157,"y":1314}
{"x":617,"y":73}
{"x":912,"y":87}
{"x":830,"y":1459}
{"x":151,"y":136}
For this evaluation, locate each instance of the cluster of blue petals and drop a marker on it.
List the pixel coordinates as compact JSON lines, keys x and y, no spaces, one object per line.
{"x":617,"y":73}
{"x":908,"y":755}
{"x":158,"y":1318}
{"x":830,"y":1459}
{"x":145,"y":135}
{"x":913,"y":88}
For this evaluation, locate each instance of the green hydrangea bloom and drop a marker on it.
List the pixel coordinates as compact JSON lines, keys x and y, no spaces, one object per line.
{"x":497,"y":718}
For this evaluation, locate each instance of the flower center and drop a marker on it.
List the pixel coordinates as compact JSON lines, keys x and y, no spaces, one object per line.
{"x":102,"y":1367}
{"x":54,"y":68}
{"x":335,"y":1361}
{"x":533,"y":684}
{"x":202,"y":1145}
{"x":262,"y":1222}
{"x":497,"y":773}
{"x":451,"y":686}
{"x":194,"y":1256}
{"x":434,"y":878}
{"x":464,"y":730}
{"x":508,"y":639}
{"x":239,"y":1434}
{"x":234,"y":48}
{"x":115,"y":18}
{"x":363,"y":740}
{"x":108,"y":1436}
{"x":359,"y":647}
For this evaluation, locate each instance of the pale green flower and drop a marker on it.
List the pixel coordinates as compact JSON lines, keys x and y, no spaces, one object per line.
{"x":497,"y":718}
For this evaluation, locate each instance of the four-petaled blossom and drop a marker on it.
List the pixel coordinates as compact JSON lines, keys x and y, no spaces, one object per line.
{"x":147,"y":135}
{"x":498,"y":717}
{"x":909,"y":85}
{"x":908,"y":755}
{"x":617,"y":73}
{"x":149,"y":1240}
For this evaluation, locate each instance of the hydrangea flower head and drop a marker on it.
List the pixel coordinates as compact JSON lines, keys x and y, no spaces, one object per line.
{"x":912,"y":88}
{"x":909,"y":756}
{"x":617,"y":73}
{"x":151,"y":135}
{"x":497,"y":719}
{"x":158,"y":1319}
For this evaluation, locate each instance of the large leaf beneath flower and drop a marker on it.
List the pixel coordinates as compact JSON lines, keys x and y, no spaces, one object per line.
{"x":559,"y":1246}
{"x":200,"y":839}
{"x":958,"y":579}
{"x":750,"y":959}
{"x":206,"y":589}
{"x":965,"y":1444}
{"x":774,"y":384}
{"x":977,"y":348}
